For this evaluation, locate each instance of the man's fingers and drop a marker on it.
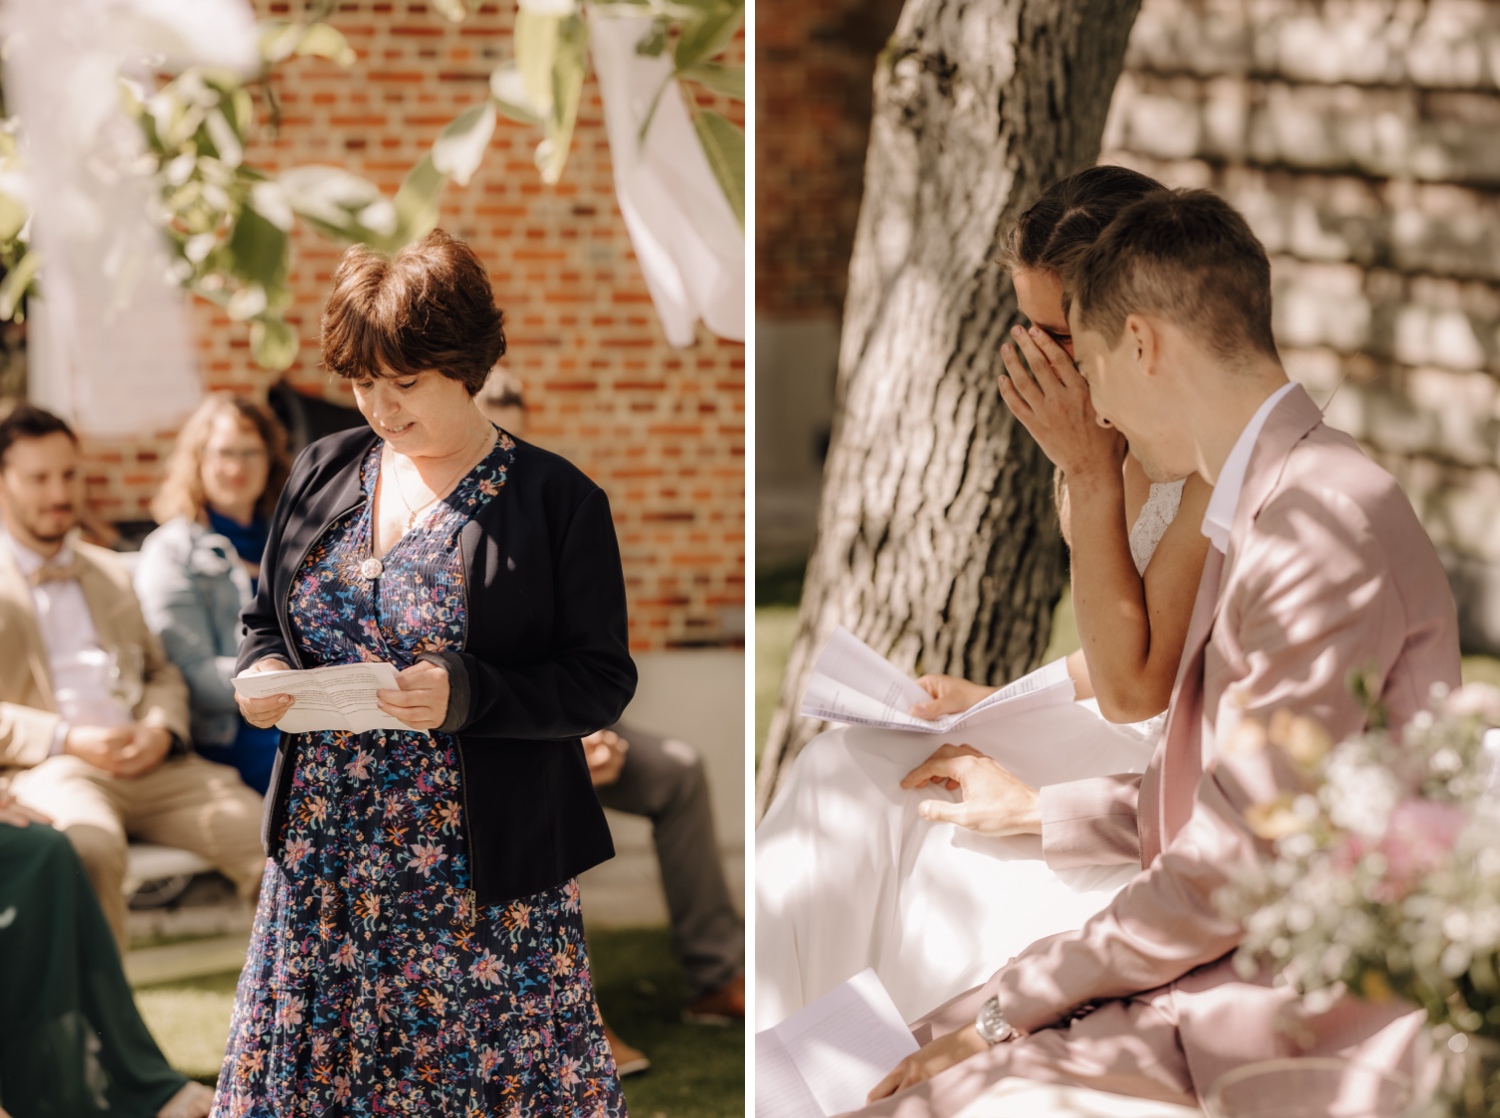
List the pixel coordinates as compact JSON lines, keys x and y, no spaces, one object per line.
{"x":888,"y":1085}
{"x":943,"y":811}
{"x":934,"y":768}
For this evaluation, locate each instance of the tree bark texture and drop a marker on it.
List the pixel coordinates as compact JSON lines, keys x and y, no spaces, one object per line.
{"x":937,"y":540}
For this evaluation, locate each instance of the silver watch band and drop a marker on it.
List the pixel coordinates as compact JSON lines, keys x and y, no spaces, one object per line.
{"x":992,"y":1025}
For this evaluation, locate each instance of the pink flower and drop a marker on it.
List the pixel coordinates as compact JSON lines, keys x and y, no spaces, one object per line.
{"x":289,"y":1014}
{"x":486,"y":969}
{"x":426,"y":858}
{"x":359,"y":767}
{"x":1418,"y":840}
{"x":296,"y":850}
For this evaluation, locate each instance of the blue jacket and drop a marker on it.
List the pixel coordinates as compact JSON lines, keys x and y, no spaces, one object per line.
{"x":192,"y":587}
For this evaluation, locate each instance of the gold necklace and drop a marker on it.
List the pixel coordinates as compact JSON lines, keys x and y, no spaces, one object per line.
{"x":372,"y":568}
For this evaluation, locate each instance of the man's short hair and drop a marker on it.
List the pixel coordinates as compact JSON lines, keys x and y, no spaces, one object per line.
{"x":28,"y":422}
{"x":503,"y":389}
{"x":1187,"y":256}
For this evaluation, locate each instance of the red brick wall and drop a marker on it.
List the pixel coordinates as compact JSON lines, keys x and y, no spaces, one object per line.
{"x":814,"y":66}
{"x":661,"y":429}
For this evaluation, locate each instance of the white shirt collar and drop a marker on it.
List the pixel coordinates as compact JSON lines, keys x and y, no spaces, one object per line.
{"x":1218,"y":519}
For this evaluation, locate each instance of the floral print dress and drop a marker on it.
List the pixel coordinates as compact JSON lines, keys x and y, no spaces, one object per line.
{"x":375,"y":984}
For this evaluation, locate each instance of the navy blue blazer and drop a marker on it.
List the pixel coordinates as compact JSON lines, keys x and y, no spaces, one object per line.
{"x":546,"y":659}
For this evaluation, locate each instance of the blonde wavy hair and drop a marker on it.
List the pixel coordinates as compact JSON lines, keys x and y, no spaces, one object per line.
{"x":181,"y":494}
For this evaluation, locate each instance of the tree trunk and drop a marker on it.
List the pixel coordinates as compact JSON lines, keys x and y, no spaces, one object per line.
{"x":937,"y":540}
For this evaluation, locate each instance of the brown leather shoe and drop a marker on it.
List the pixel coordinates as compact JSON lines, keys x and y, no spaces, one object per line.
{"x":723,"y":1006}
{"x":194,"y":1100}
{"x":628,"y":1060}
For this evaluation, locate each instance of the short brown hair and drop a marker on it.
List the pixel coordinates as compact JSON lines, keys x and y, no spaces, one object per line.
{"x":1070,"y":215}
{"x":25,"y":421}
{"x":181,"y":494}
{"x":429,"y":307}
{"x":1188,"y":256}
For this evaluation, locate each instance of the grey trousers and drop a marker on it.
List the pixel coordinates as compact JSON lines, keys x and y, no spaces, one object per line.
{"x":663,"y":780}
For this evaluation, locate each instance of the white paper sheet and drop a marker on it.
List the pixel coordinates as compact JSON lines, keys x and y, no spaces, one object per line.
{"x":825,"y":1059}
{"x":853,"y":683}
{"x":338,"y":697}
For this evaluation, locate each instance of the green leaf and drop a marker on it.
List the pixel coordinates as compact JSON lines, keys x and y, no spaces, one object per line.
{"x":707,"y":36}
{"x":459,"y":148}
{"x":552,"y":58}
{"x":417,"y":203}
{"x":536,"y":46}
{"x":508,"y":92}
{"x":724,"y":144}
{"x":16,"y":281}
{"x":323,"y":40}
{"x":654,"y":41}
{"x":258,"y":251}
{"x":728,"y":80}
{"x":227,"y":145}
{"x":273,"y":343}
{"x":279,"y":39}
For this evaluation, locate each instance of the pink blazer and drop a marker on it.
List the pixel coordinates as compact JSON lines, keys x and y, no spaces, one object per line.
{"x":1328,"y":572}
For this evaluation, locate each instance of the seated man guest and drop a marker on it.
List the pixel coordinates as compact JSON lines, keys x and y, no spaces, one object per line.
{"x":201,"y":567}
{"x":1318,"y":568}
{"x":93,"y":717}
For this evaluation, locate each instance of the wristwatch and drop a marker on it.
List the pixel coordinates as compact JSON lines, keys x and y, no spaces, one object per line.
{"x":992,"y":1025}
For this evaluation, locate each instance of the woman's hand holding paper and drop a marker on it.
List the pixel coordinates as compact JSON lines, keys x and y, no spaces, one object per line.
{"x":267,"y":710}
{"x":421,"y":699}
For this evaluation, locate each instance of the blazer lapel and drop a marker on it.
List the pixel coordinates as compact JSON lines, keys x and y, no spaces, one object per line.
{"x":105,"y":601}
{"x":1171,"y":780}
{"x":15,"y":592}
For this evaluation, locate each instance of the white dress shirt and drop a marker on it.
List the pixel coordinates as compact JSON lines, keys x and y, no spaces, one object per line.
{"x":1218,"y":518}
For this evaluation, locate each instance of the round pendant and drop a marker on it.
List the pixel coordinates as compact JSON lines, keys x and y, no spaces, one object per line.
{"x":371,"y":568}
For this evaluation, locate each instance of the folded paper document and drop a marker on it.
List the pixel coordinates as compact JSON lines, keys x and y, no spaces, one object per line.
{"x":826,"y":1058}
{"x":851,"y":682}
{"x":338,"y":697}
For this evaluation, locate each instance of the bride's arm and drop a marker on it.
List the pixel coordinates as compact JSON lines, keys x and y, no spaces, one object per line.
{"x":1132,"y":629}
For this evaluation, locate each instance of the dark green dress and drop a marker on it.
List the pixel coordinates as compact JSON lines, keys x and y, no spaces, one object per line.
{"x":72,"y":1043}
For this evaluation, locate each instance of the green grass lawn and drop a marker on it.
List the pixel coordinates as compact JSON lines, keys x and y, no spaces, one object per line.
{"x":698,"y":1071}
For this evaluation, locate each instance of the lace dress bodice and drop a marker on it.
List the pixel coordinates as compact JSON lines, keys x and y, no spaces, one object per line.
{"x":1155,"y":518}
{"x":1150,"y":526}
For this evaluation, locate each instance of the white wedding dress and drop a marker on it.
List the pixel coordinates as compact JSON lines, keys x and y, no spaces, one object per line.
{"x":848,"y":876}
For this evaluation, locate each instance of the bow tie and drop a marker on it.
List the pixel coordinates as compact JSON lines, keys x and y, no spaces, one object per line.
{"x":65,"y":571}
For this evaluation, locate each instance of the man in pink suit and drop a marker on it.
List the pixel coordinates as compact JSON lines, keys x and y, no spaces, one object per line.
{"x":1319,"y":569}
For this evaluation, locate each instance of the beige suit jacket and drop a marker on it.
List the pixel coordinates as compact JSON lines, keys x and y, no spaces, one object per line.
{"x":1327,"y":572}
{"x":28,"y":709}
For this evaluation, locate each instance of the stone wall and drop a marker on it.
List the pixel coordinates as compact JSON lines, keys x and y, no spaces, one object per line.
{"x":1358,"y":137}
{"x":661,"y":429}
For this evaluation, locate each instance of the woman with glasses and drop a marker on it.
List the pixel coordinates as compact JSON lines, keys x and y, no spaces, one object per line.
{"x":202,"y":566}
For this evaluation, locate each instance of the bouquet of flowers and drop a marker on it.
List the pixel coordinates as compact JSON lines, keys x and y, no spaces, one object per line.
{"x":1385,"y":878}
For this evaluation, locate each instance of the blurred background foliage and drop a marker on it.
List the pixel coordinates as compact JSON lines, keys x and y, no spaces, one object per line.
{"x":229,"y":223}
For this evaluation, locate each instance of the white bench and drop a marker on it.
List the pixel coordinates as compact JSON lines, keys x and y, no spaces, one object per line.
{"x":163,"y":870}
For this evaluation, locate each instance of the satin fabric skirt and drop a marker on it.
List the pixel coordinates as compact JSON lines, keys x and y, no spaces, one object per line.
{"x":849,"y":876}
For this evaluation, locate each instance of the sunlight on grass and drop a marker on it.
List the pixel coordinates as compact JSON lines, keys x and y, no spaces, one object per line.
{"x":698,"y":1071}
